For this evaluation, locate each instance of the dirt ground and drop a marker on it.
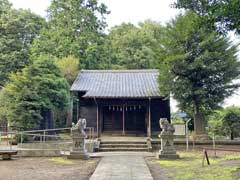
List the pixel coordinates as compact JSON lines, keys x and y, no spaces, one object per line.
{"x":47,"y":169}
{"x":226,"y":166}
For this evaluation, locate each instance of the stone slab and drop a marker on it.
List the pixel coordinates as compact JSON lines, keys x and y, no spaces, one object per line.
{"x":122,"y":167}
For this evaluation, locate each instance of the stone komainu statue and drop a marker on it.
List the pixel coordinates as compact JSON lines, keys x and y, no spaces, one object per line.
{"x":166,"y":127}
{"x":79,"y":127}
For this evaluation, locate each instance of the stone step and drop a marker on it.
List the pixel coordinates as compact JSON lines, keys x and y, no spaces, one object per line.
{"x":122,"y":149}
{"x":123,"y":142}
{"x":123,"y":145}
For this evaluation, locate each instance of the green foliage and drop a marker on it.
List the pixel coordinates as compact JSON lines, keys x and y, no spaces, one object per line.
{"x":69,"y":67}
{"x":215,"y":123}
{"x":231,"y":121}
{"x":225,"y":122}
{"x":222,"y":13}
{"x":18,"y":28}
{"x":197,"y":65}
{"x":175,"y":118}
{"x":74,"y":28}
{"x":5,"y":6}
{"x":135,"y":47}
{"x":40,"y":87}
{"x":24,"y":138}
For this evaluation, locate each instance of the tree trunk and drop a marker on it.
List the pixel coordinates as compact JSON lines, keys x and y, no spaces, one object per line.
{"x":43,"y":120}
{"x":70,"y":112}
{"x":50,"y":121}
{"x":199,"y":121}
{"x":50,"y":124}
{"x":231,"y":136}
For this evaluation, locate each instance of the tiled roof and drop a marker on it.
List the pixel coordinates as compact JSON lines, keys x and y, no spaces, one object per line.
{"x":117,"y":83}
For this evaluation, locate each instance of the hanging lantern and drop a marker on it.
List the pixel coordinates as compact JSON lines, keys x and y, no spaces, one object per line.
{"x":120,"y":108}
{"x":134,"y":107}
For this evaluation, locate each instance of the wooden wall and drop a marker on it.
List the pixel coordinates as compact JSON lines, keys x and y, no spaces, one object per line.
{"x":88,"y":109}
{"x":159,"y":109}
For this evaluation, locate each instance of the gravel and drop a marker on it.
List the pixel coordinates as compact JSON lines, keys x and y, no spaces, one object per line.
{"x":46,"y":169}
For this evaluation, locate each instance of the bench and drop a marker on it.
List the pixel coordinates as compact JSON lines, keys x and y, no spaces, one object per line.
{"x":7,"y":154}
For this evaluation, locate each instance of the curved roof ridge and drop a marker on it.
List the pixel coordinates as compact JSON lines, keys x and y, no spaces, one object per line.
{"x":120,"y":71}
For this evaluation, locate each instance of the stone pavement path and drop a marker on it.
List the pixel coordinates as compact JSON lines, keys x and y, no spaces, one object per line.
{"x":122,"y":167}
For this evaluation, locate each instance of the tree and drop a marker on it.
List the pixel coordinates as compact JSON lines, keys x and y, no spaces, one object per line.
{"x":225,"y":122}
{"x":75,"y":27}
{"x":222,"y":13}
{"x":5,"y":6}
{"x":69,"y":66}
{"x":18,"y":28}
{"x":134,"y":47}
{"x":198,"y":67}
{"x":215,"y":123}
{"x":231,"y":121}
{"x":32,"y":95}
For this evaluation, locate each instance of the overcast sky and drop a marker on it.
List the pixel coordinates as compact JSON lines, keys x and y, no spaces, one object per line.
{"x":132,"y":11}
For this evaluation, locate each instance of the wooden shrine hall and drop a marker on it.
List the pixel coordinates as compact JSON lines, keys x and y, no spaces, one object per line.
{"x":121,"y":101}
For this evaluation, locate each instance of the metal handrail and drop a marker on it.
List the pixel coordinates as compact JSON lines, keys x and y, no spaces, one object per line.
{"x":91,"y":133}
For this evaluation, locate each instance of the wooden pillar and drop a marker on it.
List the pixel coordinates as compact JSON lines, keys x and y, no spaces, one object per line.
{"x":123,"y":120}
{"x":149,"y":117}
{"x":97,"y":121}
{"x":97,"y":116}
{"x":78,"y":109}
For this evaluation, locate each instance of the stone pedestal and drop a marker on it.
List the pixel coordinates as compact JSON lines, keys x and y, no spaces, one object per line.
{"x":167,"y":150}
{"x":78,"y":150}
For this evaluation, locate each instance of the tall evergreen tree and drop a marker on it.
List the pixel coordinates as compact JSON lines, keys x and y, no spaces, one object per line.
{"x":30,"y":98}
{"x":224,"y":14}
{"x":75,"y":27}
{"x":18,"y":28}
{"x":198,"y":66}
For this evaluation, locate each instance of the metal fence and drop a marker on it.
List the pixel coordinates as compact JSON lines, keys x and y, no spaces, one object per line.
{"x":41,"y":137}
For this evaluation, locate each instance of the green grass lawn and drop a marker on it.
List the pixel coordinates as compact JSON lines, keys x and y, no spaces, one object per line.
{"x":189,"y":167}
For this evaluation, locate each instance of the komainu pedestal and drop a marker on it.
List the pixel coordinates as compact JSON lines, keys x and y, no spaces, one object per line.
{"x":78,"y":150}
{"x":167,"y":150}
